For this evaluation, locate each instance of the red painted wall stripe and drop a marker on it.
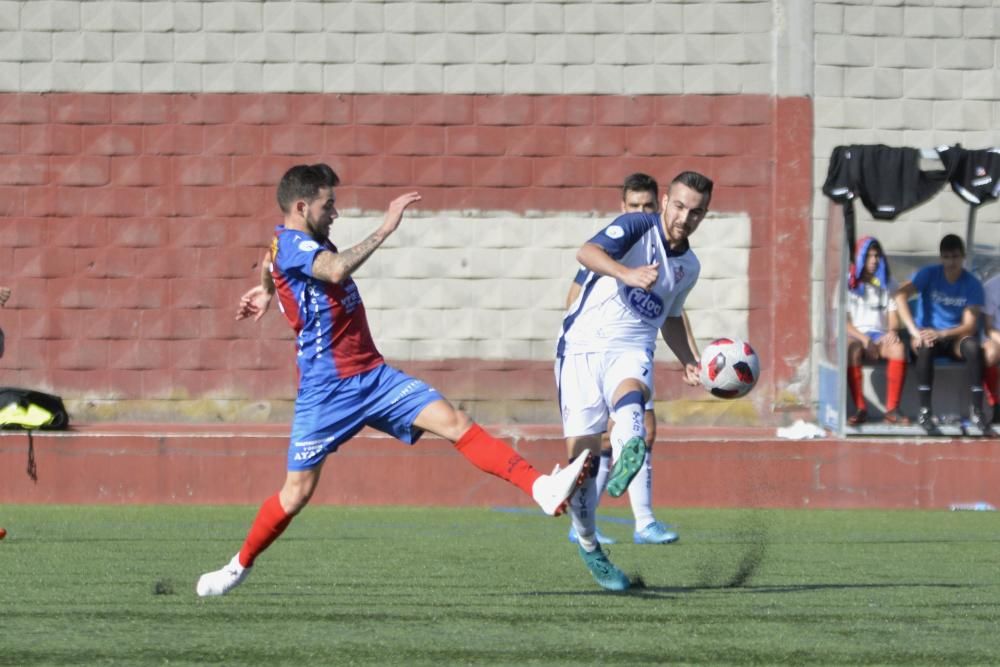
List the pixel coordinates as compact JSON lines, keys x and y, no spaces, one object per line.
{"x":103,"y":197}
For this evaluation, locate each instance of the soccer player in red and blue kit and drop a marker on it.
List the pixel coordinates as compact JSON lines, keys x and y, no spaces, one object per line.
{"x":344,"y":383}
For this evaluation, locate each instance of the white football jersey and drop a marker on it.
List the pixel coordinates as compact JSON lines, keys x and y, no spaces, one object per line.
{"x":609,"y":315}
{"x":869,"y":311}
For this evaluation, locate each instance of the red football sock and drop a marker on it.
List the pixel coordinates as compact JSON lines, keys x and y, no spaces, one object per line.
{"x":990,"y":376}
{"x":854,"y":382}
{"x":271,"y":522}
{"x":497,"y":458}
{"x":895,"y":374}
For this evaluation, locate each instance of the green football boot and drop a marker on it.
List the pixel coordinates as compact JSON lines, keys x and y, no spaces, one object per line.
{"x":630,"y":460}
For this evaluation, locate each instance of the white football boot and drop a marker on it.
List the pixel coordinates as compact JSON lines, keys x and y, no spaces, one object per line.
{"x":222,"y":581}
{"x":552,"y":492}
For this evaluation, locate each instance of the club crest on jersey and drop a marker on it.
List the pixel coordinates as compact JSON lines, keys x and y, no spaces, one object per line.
{"x":678,"y":274}
{"x":644,"y":304}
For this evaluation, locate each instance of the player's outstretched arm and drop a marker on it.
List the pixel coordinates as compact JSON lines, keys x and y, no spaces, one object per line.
{"x":254,"y":303}
{"x":266,"y":279}
{"x":689,"y":333}
{"x":676,"y":336}
{"x":334,"y":267}
{"x":595,"y":258}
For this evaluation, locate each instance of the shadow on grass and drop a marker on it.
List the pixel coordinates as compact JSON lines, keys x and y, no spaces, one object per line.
{"x":666,"y":592}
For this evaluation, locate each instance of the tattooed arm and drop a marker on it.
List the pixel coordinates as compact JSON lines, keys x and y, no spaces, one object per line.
{"x":334,"y":267}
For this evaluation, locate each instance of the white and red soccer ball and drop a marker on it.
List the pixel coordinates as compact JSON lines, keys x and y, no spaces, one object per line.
{"x":729,"y":368}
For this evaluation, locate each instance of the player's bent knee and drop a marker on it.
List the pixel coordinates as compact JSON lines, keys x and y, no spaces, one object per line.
{"x":462,"y":422}
{"x":443,"y":419}
{"x":970,"y":349}
{"x":294,"y":501}
{"x":297,"y":490}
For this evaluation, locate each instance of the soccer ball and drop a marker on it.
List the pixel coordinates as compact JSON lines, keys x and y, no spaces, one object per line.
{"x":729,"y":368}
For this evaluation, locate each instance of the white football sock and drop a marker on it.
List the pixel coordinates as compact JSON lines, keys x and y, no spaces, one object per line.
{"x":583,"y":512}
{"x":640,"y":494}
{"x":629,"y":423}
{"x":603,"y":469}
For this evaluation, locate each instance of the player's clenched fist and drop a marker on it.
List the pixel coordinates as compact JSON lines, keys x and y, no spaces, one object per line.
{"x":642,"y":276}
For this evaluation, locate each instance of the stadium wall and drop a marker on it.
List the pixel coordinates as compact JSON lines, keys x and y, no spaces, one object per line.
{"x":920,"y":74}
{"x":699,"y":467}
{"x":140,"y":144}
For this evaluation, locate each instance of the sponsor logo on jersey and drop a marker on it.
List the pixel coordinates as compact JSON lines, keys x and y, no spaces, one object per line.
{"x":947,"y":300}
{"x":351,"y":298}
{"x":644,"y":304}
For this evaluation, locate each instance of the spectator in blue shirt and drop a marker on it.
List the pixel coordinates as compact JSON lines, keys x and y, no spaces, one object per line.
{"x":947,"y":325}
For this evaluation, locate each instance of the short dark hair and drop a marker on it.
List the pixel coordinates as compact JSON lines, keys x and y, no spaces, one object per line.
{"x":640,"y":182}
{"x":328,"y":173}
{"x":951,"y":242}
{"x":698,"y":182}
{"x":304,"y":181}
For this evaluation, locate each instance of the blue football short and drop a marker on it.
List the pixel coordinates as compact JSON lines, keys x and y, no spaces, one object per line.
{"x":326,"y":417}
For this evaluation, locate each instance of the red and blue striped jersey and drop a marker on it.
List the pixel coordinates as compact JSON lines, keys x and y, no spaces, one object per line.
{"x":333,"y":339}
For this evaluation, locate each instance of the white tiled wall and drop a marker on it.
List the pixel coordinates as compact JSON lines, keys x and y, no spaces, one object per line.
{"x":360,"y":46}
{"x":490,"y":286}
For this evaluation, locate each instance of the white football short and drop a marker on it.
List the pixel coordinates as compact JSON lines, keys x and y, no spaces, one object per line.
{"x":587,"y":383}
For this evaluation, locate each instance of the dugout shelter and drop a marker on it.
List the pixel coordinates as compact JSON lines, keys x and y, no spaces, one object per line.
{"x":889,"y":181}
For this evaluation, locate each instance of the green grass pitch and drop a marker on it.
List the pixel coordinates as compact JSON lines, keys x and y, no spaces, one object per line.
{"x":417,"y":586}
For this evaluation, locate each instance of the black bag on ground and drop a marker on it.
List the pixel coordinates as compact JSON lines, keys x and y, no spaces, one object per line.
{"x":29,"y":409}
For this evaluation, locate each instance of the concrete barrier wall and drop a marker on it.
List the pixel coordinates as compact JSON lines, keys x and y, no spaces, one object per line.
{"x":692,"y":468}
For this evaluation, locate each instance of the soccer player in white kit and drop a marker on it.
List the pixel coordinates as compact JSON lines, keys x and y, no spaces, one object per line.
{"x":641,"y":270}
{"x":640,"y":194}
